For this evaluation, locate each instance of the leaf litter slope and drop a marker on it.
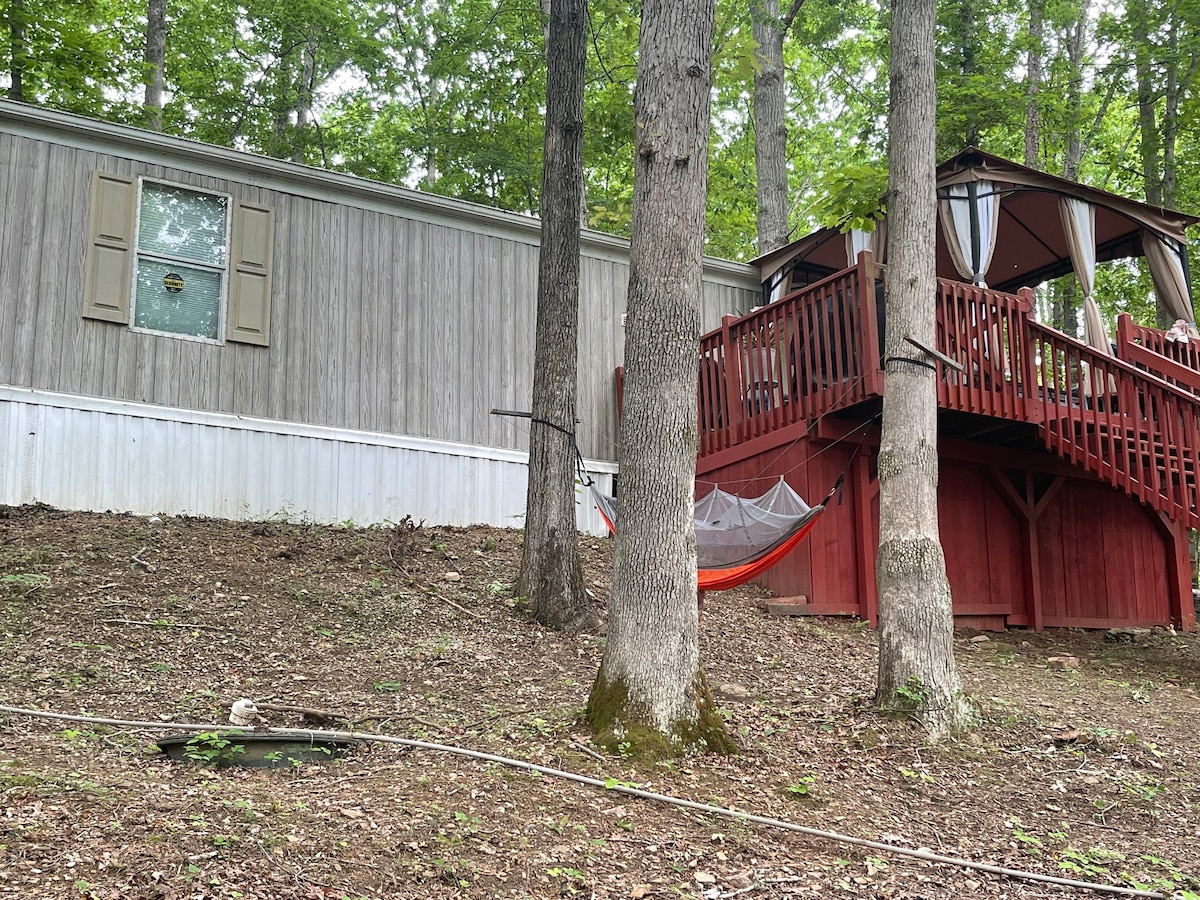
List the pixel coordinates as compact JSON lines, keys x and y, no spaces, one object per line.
{"x":1089,"y":773}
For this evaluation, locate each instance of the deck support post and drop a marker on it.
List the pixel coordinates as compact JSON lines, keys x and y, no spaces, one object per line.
{"x":1029,"y":507}
{"x":1033,"y":582}
{"x":1034,"y":409}
{"x":864,"y":492}
{"x":869,"y":361}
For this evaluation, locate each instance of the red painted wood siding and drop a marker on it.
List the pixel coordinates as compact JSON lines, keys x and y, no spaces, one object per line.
{"x":982,"y":540}
{"x":1102,"y":557}
{"x":823,"y":567}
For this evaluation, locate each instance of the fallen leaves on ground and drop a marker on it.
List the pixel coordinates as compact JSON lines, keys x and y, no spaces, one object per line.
{"x":1090,"y":772}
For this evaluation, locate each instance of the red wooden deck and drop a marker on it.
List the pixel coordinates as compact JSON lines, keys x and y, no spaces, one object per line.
{"x":1047,"y":446}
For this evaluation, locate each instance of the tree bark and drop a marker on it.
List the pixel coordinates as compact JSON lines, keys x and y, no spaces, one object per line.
{"x":156,"y":55}
{"x":1033,"y":83}
{"x":18,"y":49}
{"x":1148,"y":132}
{"x":304,"y":97}
{"x":1065,"y":307}
{"x":770,"y":129}
{"x":1179,"y":83}
{"x":551,"y":575}
{"x":917,"y":672}
{"x":969,"y":28}
{"x":1170,"y":118}
{"x":1073,"y":158}
{"x":770,"y":123}
{"x":650,"y":693}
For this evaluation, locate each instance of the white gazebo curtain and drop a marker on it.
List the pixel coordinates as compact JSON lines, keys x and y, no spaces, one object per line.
{"x":1079,"y":226}
{"x":1170,"y":282}
{"x":858,"y":240}
{"x":971,"y":248}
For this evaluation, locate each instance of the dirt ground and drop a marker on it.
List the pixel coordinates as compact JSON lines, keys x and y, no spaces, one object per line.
{"x":1091,"y":773}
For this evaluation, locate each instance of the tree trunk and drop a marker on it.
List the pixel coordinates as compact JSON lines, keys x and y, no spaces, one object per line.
{"x":1065,"y":306}
{"x":304,"y":97}
{"x":431,"y":130}
{"x":917,"y":672}
{"x":1080,"y":140}
{"x":1178,"y":86}
{"x":770,"y":129}
{"x":551,"y":576}
{"x":650,"y":694}
{"x":1073,"y":158}
{"x":18,"y":50}
{"x":1147,"y":131}
{"x":969,"y":29}
{"x":283,"y":108}
{"x":1033,"y":83}
{"x":156,"y":55}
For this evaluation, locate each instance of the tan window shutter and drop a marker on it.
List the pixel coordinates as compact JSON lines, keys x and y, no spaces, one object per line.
{"x":249,"y":314}
{"x":108,"y":278}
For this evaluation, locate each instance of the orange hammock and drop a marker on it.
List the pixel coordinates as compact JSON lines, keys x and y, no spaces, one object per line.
{"x":722,"y":519}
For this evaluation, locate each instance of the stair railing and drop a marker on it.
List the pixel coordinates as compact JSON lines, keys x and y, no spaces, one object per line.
{"x":1177,"y":362}
{"x":1125,"y":425}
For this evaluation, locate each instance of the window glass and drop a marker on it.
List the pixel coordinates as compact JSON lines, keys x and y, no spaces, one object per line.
{"x":182,"y":224}
{"x":177,"y":298}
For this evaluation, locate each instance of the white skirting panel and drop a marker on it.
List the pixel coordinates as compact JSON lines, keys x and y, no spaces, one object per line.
{"x":86,"y":453}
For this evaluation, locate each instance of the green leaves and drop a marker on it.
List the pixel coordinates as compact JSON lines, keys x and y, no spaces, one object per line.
{"x":448,"y":97}
{"x":852,"y":197}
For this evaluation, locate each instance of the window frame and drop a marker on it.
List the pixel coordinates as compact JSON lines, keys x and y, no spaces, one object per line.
{"x":223,"y":270}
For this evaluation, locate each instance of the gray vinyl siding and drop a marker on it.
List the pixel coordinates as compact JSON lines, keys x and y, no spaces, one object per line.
{"x":382,"y":319}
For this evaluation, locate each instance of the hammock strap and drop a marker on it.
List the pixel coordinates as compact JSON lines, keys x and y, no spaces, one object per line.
{"x":584,"y":478}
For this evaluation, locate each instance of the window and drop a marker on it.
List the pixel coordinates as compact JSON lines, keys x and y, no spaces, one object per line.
{"x":168,"y":259}
{"x":182,"y":255}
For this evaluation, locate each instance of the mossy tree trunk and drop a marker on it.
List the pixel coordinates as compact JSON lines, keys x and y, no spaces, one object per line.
{"x":917,"y":672}
{"x":551,"y":577}
{"x":650,"y":693}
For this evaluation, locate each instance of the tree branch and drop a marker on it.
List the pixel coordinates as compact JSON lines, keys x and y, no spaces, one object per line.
{"x":791,"y":15}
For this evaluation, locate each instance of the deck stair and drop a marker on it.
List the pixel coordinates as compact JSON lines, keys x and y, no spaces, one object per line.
{"x":1132,"y":420}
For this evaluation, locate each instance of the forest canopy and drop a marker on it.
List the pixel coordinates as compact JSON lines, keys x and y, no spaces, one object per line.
{"x":448,"y":97}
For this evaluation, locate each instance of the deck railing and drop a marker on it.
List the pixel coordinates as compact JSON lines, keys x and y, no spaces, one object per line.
{"x":1132,"y":420}
{"x":982,"y":331}
{"x":815,"y":350}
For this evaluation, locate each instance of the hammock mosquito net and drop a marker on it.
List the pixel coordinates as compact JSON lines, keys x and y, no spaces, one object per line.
{"x":739,"y":538}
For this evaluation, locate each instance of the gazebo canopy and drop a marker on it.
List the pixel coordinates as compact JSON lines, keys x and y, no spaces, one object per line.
{"x":1031,"y":243}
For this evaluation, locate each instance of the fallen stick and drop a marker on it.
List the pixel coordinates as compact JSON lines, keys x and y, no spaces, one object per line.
{"x":441,"y":729}
{"x":162,"y":624}
{"x":461,"y":609}
{"x":492,"y":717}
{"x":303,"y":710}
{"x":584,"y":748}
{"x":136,"y":559}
